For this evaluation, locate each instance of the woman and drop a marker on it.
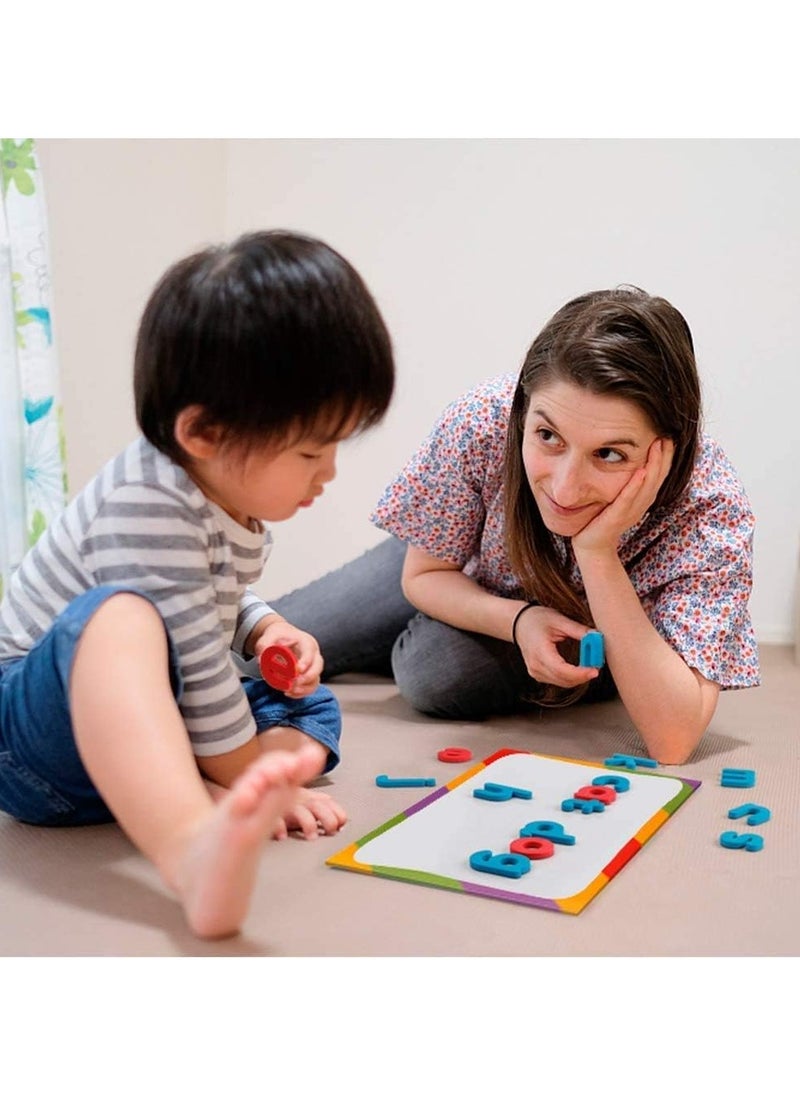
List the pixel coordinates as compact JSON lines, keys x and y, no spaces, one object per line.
{"x":581,"y":495}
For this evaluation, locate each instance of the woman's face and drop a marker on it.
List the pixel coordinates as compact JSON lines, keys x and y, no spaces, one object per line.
{"x":579,"y":450}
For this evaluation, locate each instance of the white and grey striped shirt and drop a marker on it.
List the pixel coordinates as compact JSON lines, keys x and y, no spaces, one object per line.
{"x":142,"y":521}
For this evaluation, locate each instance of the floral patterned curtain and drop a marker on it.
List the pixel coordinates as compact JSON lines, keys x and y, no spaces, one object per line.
{"x":33,"y":484}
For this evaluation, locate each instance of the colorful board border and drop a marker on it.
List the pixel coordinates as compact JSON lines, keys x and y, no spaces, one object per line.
{"x":573,"y":904}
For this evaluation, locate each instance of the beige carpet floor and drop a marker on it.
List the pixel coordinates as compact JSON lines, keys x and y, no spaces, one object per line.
{"x":87,"y":892}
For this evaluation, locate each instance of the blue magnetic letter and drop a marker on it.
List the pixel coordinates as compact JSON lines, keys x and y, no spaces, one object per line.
{"x":585,"y":806}
{"x":621,"y":783}
{"x":592,"y":650}
{"x":553,"y":831}
{"x":738,"y":778}
{"x":499,"y":793}
{"x":628,"y":761}
{"x":384,"y":781}
{"x":509,"y":864}
{"x":757,"y":814}
{"x":750,"y":841}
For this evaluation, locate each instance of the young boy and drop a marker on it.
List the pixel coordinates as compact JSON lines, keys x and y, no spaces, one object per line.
{"x":119,"y":695}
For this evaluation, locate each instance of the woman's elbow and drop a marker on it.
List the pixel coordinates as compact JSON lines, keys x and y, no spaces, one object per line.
{"x":672,"y":744}
{"x":675,"y":746}
{"x":672,"y":755}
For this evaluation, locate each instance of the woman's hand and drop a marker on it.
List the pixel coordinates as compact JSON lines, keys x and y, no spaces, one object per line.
{"x":603,"y":532}
{"x":539,"y":631}
{"x":305,"y":648}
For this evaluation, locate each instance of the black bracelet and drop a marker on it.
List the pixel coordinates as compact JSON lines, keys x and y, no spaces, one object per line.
{"x":524,"y":609}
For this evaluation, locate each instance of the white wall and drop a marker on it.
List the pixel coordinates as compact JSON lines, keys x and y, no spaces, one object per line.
{"x":468,"y":246}
{"x":119,"y":212}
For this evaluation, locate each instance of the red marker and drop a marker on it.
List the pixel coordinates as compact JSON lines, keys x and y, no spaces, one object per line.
{"x":278,"y":667}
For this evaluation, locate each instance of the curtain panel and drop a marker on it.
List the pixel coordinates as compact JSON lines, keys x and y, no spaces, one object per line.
{"x":33,"y":487}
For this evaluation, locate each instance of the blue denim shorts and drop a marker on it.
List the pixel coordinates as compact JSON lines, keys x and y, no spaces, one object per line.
{"x":42,"y":778}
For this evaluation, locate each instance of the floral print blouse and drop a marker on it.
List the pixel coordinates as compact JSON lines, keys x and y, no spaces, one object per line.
{"x":691,"y":567}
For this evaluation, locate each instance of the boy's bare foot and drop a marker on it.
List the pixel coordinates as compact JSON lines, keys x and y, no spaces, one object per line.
{"x":216,"y":871}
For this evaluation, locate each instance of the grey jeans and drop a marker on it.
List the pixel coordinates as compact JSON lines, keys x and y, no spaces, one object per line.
{"x":363,"y":624}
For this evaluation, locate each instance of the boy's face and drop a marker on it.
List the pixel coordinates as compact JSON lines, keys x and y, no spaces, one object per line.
{"x":267,"y":483}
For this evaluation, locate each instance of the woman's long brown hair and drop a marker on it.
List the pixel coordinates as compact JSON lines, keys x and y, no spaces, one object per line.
{"x":617,"y":342}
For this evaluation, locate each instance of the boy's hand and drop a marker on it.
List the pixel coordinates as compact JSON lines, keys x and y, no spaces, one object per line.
{"x":305,"y":648}
{"x":313,"y":812}
{"x":603,"y":532}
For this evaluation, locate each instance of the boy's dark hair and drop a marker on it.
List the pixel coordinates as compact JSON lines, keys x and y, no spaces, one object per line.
{"x":275,"y":335}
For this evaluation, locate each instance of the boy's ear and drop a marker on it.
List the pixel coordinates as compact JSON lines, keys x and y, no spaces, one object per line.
{"x":197,"y":437}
